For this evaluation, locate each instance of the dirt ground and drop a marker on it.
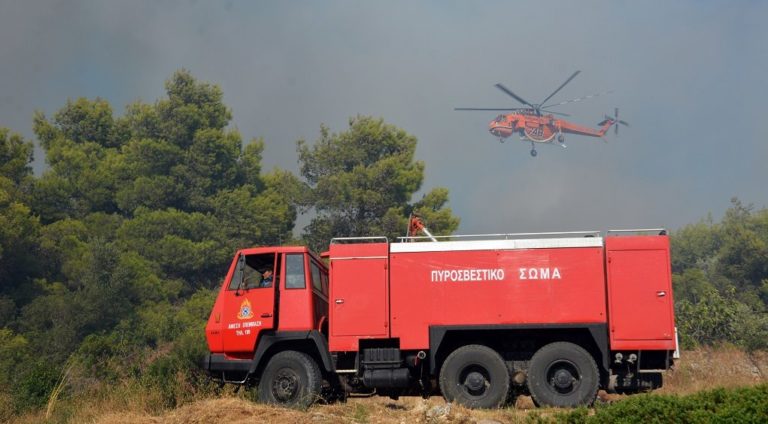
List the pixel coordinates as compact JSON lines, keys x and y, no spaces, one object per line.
{"x":695,"y":371}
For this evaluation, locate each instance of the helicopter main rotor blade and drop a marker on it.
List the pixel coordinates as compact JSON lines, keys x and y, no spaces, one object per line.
{"x":578,"y":99}
{"x":561,"y":87}
{"x":483,"y":108}
{"x":555,"y":113}
{"x":513,"y":95}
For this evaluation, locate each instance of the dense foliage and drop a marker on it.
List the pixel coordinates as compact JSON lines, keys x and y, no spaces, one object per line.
{"x":109,"y":261}
{"x":110,"y":256}
{"x":720,"y":277}
{"x":362,"y":181}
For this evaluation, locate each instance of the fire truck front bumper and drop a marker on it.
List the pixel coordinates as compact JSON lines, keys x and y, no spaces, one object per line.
{"x":228,"y":370}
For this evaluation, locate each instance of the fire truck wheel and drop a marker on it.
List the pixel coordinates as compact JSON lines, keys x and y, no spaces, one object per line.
{"x":475,"y":376}
{"x":291,"y":379}
{"x":563,"y":374}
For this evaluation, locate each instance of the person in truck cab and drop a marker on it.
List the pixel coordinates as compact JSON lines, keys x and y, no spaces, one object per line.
{"x":266,"y":278}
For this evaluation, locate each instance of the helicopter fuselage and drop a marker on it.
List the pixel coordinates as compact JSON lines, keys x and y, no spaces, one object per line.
{"x":540,"y":128}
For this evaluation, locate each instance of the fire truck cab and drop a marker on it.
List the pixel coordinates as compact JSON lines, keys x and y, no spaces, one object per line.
{"x":478,"y":319}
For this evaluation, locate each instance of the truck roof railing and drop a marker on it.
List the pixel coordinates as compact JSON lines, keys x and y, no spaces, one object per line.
{"x":503,"y":236}
{"x":499,"y":236}
{"x":374,"y":239}
{"x":658,"y":231}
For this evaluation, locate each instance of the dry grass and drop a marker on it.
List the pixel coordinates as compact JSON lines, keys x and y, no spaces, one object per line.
{"x":697,"y":370}
{"x":57,"y":390}
{"x":224,"y":410}
{"x":356,"y":410}
{"x":708,"y":368}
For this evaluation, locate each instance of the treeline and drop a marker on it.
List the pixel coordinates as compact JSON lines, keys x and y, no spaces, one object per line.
{"x":110,"y":259}
{"x":720,"y":278}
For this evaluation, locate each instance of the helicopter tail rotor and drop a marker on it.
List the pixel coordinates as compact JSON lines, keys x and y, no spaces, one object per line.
{"x":615,"y":121}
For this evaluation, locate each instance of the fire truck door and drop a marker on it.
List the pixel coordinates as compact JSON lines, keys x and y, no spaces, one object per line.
{"x":640,"y":295}
{"x":359,"y":296}
{"x":249,"y":304}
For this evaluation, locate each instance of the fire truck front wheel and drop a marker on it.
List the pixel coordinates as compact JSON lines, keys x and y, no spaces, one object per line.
{"x":563,"y":374}
{"x":475,"y":376}
{"x":291,"y":379}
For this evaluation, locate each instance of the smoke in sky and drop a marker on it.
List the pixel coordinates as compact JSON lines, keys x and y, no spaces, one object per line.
{"x":689,"y":76}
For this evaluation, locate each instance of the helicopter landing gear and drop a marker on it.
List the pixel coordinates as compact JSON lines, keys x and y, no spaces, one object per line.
{"x":533,"y":150}
{"x":501,"y":140}
{"x":561,"y":138}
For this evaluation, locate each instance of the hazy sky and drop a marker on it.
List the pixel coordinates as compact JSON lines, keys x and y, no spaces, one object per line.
{"x":690,"y":77}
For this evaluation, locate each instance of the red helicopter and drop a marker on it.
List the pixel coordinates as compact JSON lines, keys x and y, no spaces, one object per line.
{"x":538,"y":125}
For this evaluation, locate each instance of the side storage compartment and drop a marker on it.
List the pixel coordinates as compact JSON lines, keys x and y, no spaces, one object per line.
{"x":640,"y":305}
{"x":359,"y":294}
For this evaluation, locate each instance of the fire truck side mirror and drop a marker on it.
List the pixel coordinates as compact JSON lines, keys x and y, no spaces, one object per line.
{"x":240,"y":274}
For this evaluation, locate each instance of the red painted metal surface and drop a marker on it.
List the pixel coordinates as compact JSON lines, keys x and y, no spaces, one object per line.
{"x":624,"y":281}
{"x":296,"y":306}
{"x":239,"y":316}
{"x":542,"y":129}
{"x":521,"y":286}
{"x":359,"y":298}
{"x":244,"y":314}
{"x":641,"y":308}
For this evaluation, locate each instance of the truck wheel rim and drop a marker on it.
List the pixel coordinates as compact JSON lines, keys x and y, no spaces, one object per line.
{"x":285,"y":386}
{"x":563,"y":377}
{"x":474,"y":381}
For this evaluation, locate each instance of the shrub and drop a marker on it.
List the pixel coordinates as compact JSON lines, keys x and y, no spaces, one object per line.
{"x":35,"y":386}
{"x":742,"y":405}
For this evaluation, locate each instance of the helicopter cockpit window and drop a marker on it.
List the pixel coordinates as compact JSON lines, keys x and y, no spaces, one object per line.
{"x":499,"y":118}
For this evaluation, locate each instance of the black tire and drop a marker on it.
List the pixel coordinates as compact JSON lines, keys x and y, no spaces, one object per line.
{"x":290,"y":379}
{"x":563,"y":374}
{"x":475,"y":376}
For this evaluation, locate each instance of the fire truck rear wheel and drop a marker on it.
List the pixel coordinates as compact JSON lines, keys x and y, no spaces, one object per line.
{"x":292,"y":379}
{"x":475,"y":376}
{"x":563,"y":374}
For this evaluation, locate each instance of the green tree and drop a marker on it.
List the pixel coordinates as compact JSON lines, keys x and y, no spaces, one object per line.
{"x":80,"y":155}
{"x":695,"y":246}
{"x":191,"y":106}
{"x":14,"y":349}
{"x":83,"y":121}
{"x":721,"y":278}
{"x":19,"y":227}
{"x":743,"y":257}
{"x":15,"y":157}
{"x":362,"y":181}
{"x":138,"y":216}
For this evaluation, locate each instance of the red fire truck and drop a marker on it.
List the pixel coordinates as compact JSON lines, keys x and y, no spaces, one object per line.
{"x":478,"y":319}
